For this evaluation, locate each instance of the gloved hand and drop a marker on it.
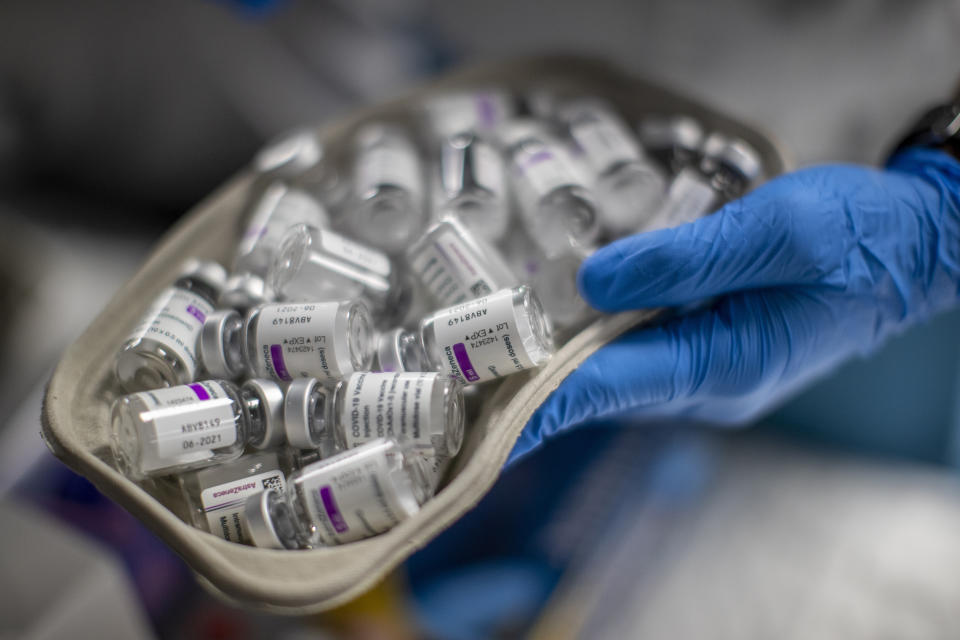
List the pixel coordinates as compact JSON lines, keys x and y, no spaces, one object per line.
{"x":810,"y":269}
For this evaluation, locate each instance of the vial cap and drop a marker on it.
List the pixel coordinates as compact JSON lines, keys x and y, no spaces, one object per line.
{"x":733,"y":154}
{"x":742,"y":158}
{"x":290,"y":155}
{"x":215,"y":345}
{"x":259,"y":523}
{"x":713,"y":146}
{"x":244,"y":291}
{"x":206,"y":271}
{"x":297,"y":413}
{"x":270,"y":395}
{"x":683,"y":132}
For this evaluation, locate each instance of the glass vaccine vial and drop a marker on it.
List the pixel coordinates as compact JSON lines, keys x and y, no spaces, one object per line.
{"x":318,"y":264}
{"x":562,"y":303}
{"x":488,"y":338}
{"x":554,"y":279}
{"x":353,"y":495}
{"x":400,"y":350}
{"x":673,"y":141}
{"x":289,"y":155}
{"x":192,"y":426}
{"x":557,"y":206}
{"x":476,"y":111}
{"x":215,"y":496}
{"x":388,"y":200}
{"x":301,"y":159}
{"x":287,"y":340}
{"x":629,"y":187}
{"x":732,"y":164}
{"x":690,"y":196}
{"x":470,"y":185}
{"x":455,"y":266}
{"x":161,"y":351}
{"x":278,"y":208}
{"x":727,"y":169}
{"x":426,"y":409}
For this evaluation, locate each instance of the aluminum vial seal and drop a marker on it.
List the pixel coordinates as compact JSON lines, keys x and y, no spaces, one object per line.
{"x":268,"y":432}
{"x":732,"y":155}
{"x":208,"y":272}
{"x":263,"y":512}
{"x":674,"y":141}
{"x":220,"y":345}
{"x":730,"y":164}
{"x":681,"y":132}
{"x":244,"y":291}
{"x":305,"y":414}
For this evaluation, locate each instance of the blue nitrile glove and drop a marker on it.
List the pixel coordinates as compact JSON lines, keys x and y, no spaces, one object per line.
{"x":810,"y":269}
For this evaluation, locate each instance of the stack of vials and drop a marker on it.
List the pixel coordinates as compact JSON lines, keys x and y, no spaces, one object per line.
{"x":315,"y":395}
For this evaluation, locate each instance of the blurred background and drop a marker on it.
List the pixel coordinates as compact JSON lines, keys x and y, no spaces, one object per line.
{"x":837,"y":517}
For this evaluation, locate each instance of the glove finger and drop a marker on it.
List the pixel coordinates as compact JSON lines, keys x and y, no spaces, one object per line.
{"x":722,"y":365}
{"x":637,"y":368}
{"x":790,"y":231}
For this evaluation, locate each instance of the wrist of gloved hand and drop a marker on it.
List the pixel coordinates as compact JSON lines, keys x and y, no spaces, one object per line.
{"x":808,"y":270}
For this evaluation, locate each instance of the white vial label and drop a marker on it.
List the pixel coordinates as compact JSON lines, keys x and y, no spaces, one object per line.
{"x":450,"y":271}
{"x":182,"y":424}
{"x":480,"y":111}
{"x":479,"y":340}
{"x":175,"y":320}
{"x":299,"y":341}
{"x":355,"y":253}
{"x":690,"y":196}
{"x":396,"y":166}
{"x":545,"y":168}
{"x":378,"y":405}
{"x":604,"y":144}
{"x":354,"y":498}
{"x":223,"y":503}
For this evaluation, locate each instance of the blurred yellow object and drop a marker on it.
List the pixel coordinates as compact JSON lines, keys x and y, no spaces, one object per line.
{"x":382,"y":613}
